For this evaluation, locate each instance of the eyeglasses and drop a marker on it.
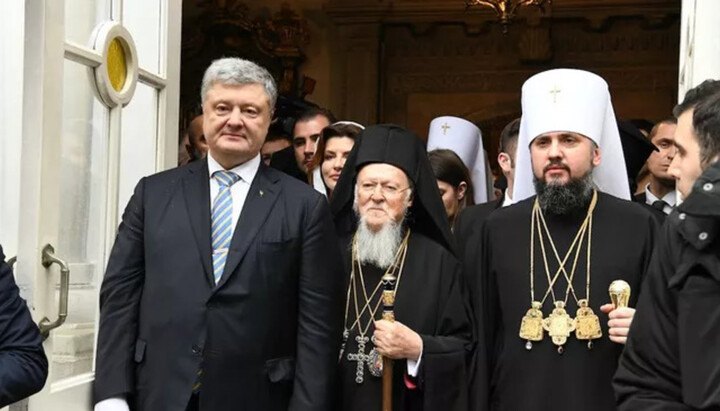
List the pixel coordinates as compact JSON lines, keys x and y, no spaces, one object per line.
{"x":386,"y":189}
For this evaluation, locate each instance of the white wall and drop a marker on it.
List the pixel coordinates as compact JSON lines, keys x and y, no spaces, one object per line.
{"x":11,"y":89}
{"x":699,"y":43}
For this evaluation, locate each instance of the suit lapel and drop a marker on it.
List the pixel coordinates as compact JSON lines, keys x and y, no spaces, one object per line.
{"x":196,"y":189}
{"x":259,"y":202}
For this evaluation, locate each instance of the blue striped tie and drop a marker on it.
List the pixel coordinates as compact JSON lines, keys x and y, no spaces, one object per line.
{"x":222,"y":229}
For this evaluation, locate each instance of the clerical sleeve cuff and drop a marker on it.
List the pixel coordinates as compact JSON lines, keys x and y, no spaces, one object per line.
{"x":414,"y":365}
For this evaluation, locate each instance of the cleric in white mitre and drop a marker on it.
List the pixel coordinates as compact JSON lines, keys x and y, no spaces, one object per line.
{"x":465,"y":139}
{"x":550,"y":339}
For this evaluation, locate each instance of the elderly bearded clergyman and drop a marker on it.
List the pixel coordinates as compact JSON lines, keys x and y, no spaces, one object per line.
{"x":388,"y":211}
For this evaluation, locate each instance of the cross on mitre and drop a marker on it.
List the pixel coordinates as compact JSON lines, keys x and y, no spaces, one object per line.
{"x":445,"y":128}
{"x":555,"y":92}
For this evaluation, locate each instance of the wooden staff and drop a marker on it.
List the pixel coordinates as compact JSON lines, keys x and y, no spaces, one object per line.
{"x":388,"y":314}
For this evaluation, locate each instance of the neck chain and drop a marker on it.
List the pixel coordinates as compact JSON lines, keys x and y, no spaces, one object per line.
{"x":372,"y":359}
{"x":559,"y":324}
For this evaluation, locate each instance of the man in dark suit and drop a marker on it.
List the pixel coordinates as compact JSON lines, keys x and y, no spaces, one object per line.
{"x":659,"y":193}
{"x":23,"y":366}
{"x":204,"y":307}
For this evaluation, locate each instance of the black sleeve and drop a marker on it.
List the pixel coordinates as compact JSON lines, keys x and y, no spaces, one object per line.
{"x":487,"y":314}
{"x":320,"y":313}
{"x":462,"y":230}
{"x":23,"y":365}
{"x":648,"y":375}
{"x":446,"y":359}
{"x":119,"y":304}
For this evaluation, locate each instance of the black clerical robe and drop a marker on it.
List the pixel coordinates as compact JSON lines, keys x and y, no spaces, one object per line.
{"x":431,"y":300}
{"x":470,"y":220}
{"x":510,"y":377}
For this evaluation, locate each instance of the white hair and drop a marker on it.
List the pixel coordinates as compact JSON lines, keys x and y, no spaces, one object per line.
{"x":237,"y":71}
{"x":379,"y":248}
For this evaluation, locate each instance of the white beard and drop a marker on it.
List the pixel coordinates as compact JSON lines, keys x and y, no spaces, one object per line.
{"x":378,"y":248}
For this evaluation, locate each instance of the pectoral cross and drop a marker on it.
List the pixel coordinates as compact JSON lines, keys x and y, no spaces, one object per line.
{"x":361,"y":359}
{"x":555,"y":92}
{"x":445,"y":128}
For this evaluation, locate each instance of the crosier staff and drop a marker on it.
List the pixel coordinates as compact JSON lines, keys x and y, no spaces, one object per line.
{"x":619,"y":291}
{"x":388,"y":314}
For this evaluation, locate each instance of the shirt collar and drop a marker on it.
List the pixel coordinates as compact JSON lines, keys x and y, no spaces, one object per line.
{"x":506,"y":199}
{"x":669,"y":198}
{"x":246,"y":170}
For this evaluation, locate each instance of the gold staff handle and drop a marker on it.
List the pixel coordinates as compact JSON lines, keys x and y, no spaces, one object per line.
{"x":619,"y":291}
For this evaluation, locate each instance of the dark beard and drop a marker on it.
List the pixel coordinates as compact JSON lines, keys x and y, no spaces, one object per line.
{"x":562,"y":199}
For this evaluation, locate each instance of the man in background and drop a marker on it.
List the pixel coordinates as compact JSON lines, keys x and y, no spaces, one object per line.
{"x":193,"y":146}
{"x":672,"y":357}
{"x":660,"y":191}
{"x":275,"y":141}
{"x":306,"y":132}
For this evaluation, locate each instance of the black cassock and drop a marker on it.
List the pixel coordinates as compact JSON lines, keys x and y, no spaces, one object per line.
{"x":510,"y":377}
{"x":431,"y":300}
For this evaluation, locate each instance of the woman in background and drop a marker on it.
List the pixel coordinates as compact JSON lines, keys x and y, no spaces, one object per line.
{"x":453,"y":180}
{"x":333,"y":147}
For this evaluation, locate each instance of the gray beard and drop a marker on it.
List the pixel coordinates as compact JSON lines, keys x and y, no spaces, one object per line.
{"x":564,"y":199}
{"x":378,"y":248}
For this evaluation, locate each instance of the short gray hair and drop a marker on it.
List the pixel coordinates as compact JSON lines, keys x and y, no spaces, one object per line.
{"x":237,"y":71}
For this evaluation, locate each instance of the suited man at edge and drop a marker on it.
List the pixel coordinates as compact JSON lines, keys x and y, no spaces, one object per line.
{"x":211,"y":307}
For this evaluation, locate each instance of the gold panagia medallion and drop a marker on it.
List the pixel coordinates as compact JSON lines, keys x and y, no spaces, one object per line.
{"x":588,"y":324}
{"x":531,"y":327}
{"x":559,"y":325}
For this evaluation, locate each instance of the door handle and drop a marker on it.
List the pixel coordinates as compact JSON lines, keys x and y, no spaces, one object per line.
{"x":49,"y":258}
{"x":11,"y":262}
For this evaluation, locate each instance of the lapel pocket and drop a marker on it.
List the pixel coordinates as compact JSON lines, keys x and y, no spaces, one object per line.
{"x":280,"y":369}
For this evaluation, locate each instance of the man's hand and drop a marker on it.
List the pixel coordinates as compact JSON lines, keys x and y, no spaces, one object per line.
{"x":112,"y":404}
{"x":619,"y":324}
{"x":395,"y":340}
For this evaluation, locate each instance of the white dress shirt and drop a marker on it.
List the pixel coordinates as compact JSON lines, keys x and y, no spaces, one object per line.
{"x":239,"y":192}
{"x":670,"y":199}
{"x":507,"y":199}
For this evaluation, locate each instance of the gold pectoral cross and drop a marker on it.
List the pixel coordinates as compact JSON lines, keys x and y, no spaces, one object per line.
{"x":559,"y":325}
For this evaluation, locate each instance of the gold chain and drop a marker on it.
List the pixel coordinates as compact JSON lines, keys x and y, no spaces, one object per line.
{"x":398,"y":265}
{"x":587,"y":223}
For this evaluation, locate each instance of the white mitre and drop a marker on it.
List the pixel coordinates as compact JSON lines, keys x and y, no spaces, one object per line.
{"x":465,"y":139}
{"x":575,"y":101}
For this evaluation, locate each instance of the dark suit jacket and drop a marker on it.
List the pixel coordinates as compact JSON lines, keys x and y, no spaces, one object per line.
{"x":659,"y":215}
{"x":267,"y":337}
{"x":284,"y":160}
{"x":23,"y":366}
